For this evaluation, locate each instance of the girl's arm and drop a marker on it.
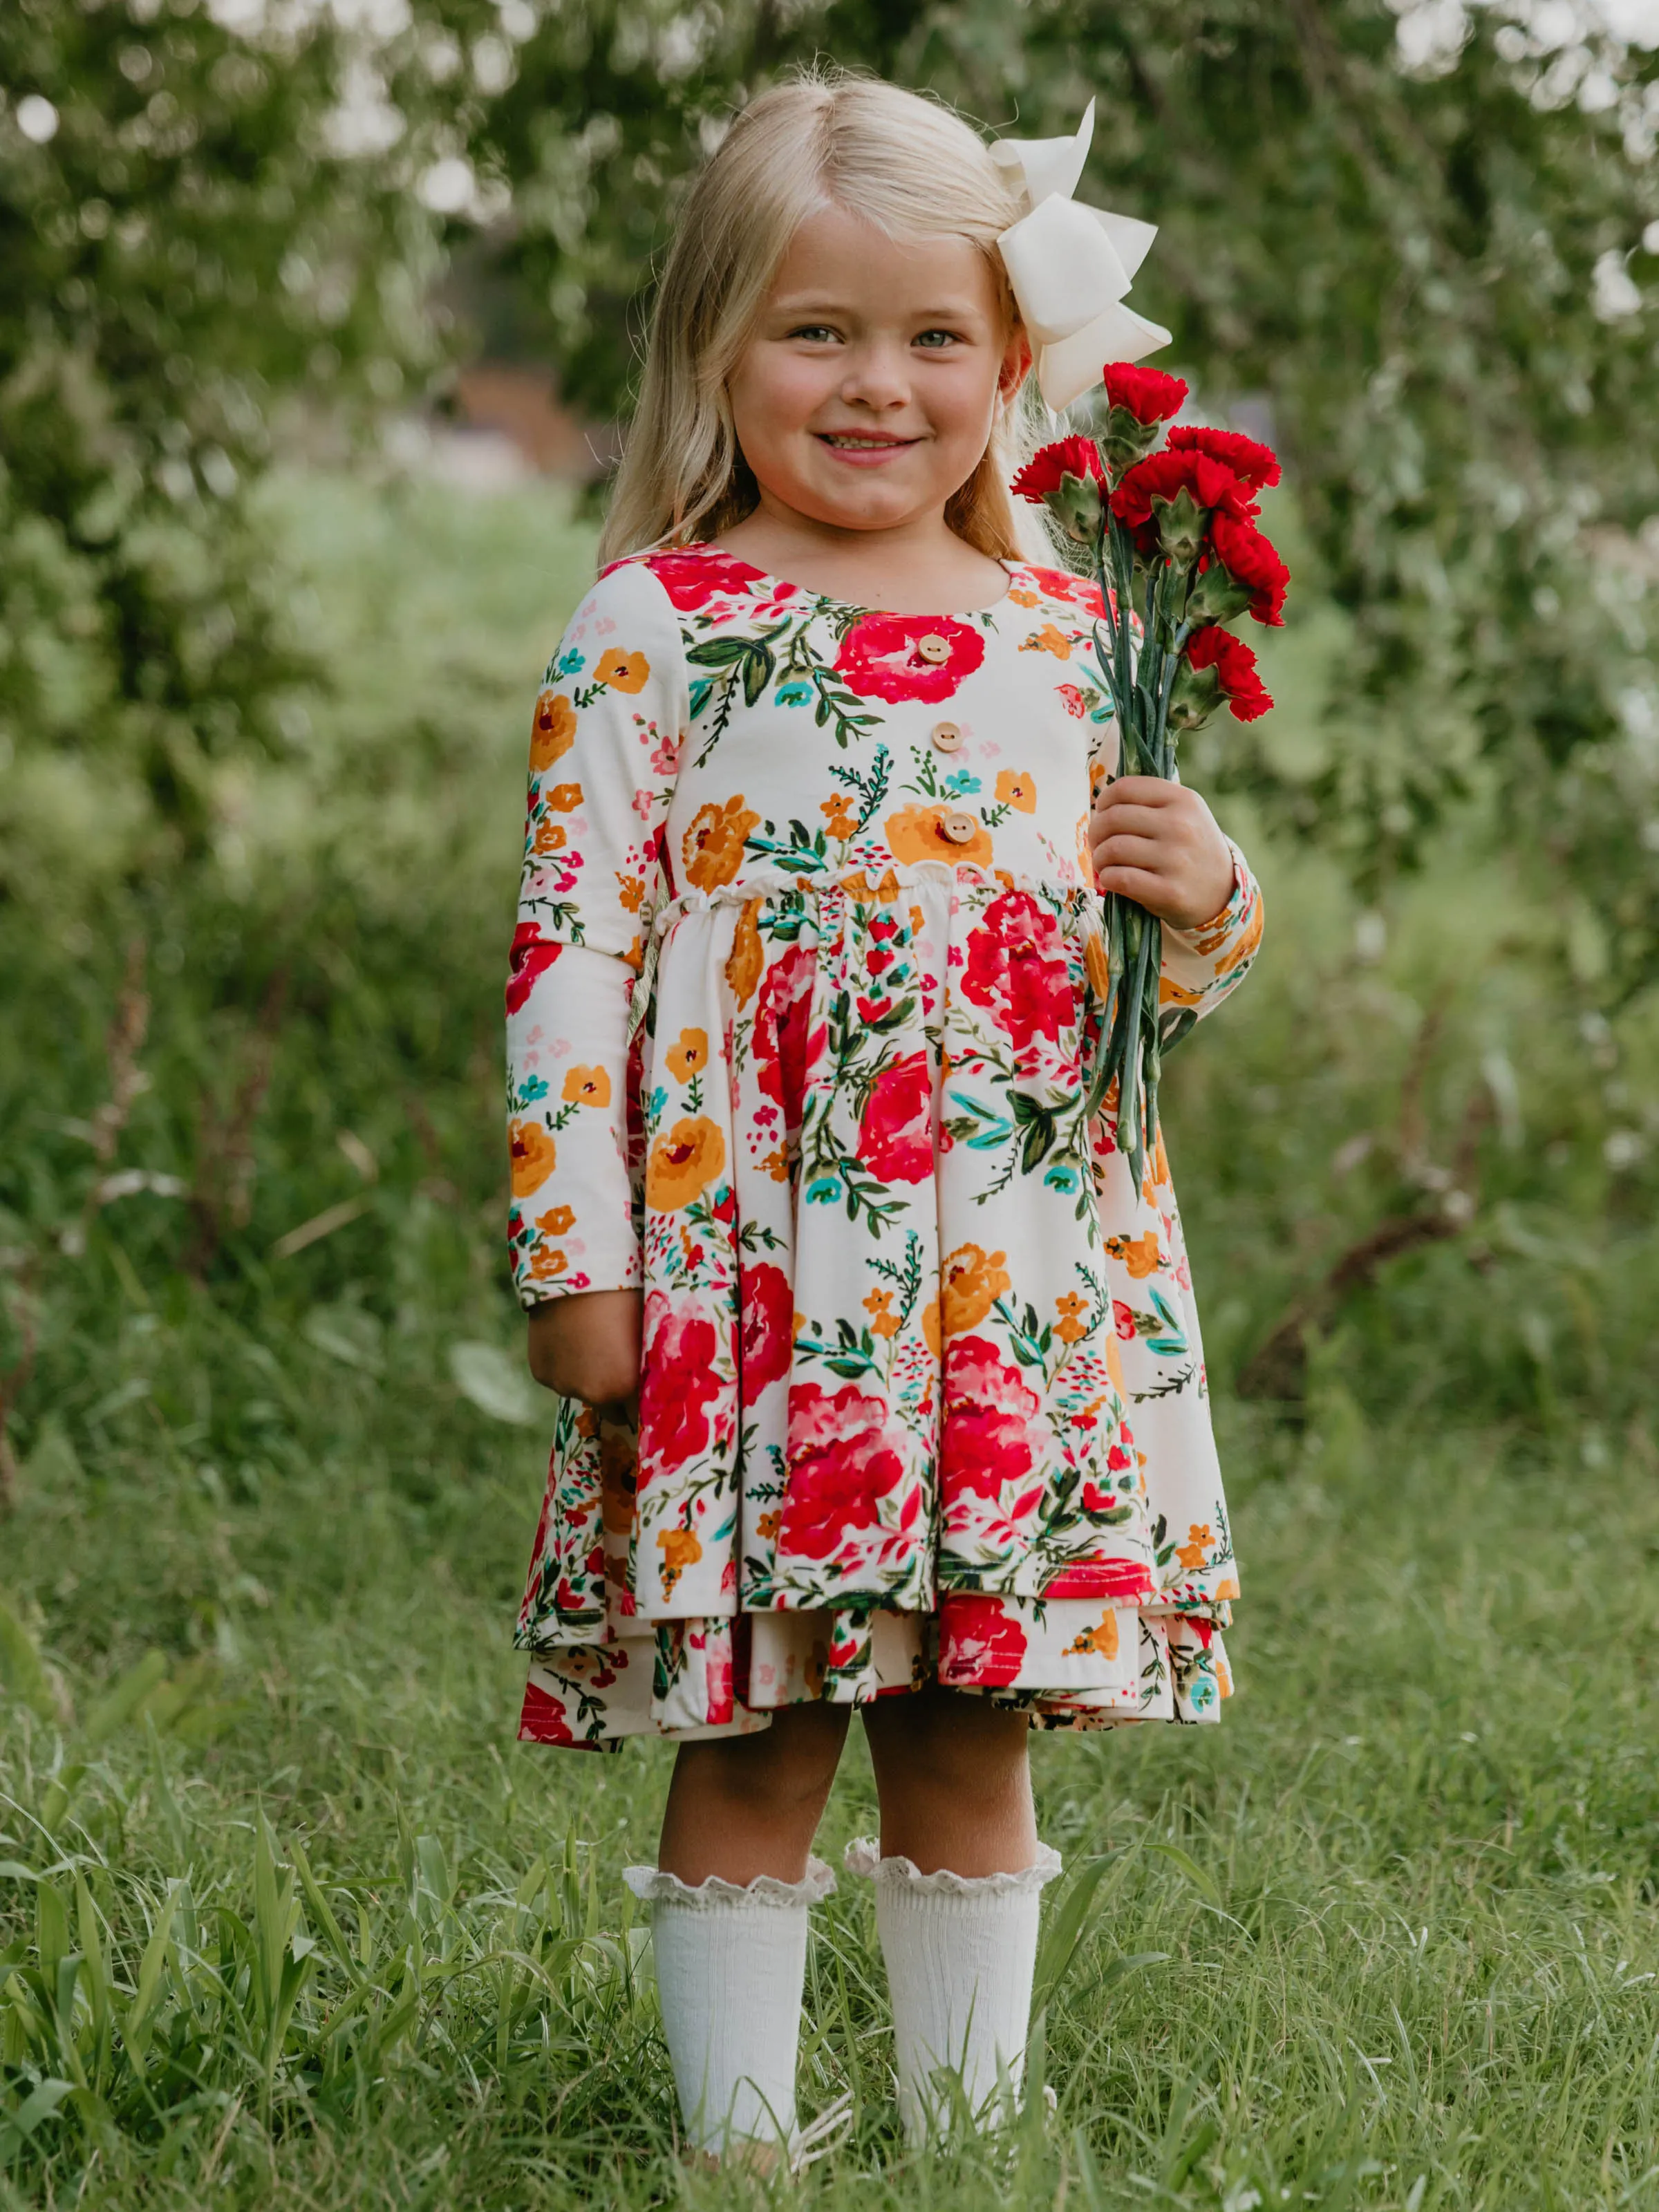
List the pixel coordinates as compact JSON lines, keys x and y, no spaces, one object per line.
{"x":603,"y":750}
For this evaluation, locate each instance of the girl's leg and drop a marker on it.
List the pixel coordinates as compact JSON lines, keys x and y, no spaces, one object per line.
{"x":729,"y":1907}
{"x":959,"y":1877}
{"x":954,"y":1781}
{"x":747,"y":1805}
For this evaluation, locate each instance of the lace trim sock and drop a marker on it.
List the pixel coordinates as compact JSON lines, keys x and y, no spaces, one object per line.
{"x":961,"y":1951}
{"x":731,"y":1963}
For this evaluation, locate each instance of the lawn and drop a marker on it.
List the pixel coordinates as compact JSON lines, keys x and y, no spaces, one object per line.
{"x":288,"y":1918}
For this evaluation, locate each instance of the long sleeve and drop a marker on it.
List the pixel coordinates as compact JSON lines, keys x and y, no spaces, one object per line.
{"x":604,"y":751}
{"x":1201,"y":966}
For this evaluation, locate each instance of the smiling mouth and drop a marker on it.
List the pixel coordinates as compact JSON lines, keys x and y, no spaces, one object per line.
{"x":858,"y":442}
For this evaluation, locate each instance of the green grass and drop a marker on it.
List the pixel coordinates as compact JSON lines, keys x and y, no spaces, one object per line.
{"x":300,"y":1925}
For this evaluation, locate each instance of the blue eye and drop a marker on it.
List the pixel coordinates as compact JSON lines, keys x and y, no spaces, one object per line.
{"x":813,"y":331}
{"x":935,"y":340}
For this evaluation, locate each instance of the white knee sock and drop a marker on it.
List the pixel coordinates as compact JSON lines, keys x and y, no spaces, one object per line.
{"x":960,"y":1953}
{"x":731,"y":1967}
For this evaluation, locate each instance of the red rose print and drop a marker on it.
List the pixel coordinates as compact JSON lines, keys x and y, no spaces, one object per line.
{"x":1148,"y":394}
{"x":1075,"y":590}
{"x":1123,"y":1320}
{"x":677,"y":1385}
{"x":767,"y":1339}
{"x":895,"y":1140}
{"x":695,"y":576}
{"x":895,"y":657}
{"x":987,"y":1410}
{"x":842,"y":1461}
{"x":783,"y":1015}
{"x":980,"y":1641}
{"x":541,"y":1719}
{"x":531,"y":955}
{"x":1017,"y":969}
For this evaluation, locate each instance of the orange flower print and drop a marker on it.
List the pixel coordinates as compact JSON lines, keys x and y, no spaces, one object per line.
{"x":587,"y":1086}
{"x":680,"y":1548}
{"x":971,"y":1281}
{"x":1071,"y":1325}
{"x":533,"y":1156}
{"x":1171,"y":993}
{"x":1226,"y":1588}
{"x":683,"y":1161}
{"x":557,"y":1221}
{"x":884,"y":1321}
{"x":630,"y":892}
{"x":1138,"y":1254}
{"x":546,"y":1263}
{"x":917,"y":833}
{"x":1016,"y":789}
{"x":550,"y":838}
{"x":1101,"y":1640}
{"x":563,"y":798}
{"x":553,"y":730}
{"x":746,"y":961}
{"x":1096,"y":966}
{"x":622,"y":671}
{"x":1021,"y":599}
{"x":1049,"y":640}
{"x":713,"y":846}
{"x":1191,"y":1553}
{"x":838,"y":818}
{"x":691,"y":1055}
{"x":776,"y":1164}
{"x":766,"y":1526}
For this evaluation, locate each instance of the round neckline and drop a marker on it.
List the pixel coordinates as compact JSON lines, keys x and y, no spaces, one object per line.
{"x":857,"y":606}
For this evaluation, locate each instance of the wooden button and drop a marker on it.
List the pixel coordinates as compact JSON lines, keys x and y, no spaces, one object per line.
{"x":946,"y":737}
{"x":934,"y":648}
{"x":960,"y":829}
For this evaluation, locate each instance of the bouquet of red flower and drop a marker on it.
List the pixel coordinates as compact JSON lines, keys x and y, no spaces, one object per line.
{"x":1177,"y":555}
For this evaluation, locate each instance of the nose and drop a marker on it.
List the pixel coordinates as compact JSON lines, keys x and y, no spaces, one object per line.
{"x":877,"y":375}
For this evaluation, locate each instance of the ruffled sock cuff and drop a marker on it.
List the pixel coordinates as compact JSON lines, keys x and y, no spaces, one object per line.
{"x":653,"y":1886}
{"x":864,"y":1856}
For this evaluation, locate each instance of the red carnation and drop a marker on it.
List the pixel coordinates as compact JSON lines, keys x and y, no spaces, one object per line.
{"x":1146,"y":394}
{"x":1234,"y":667}
{"x":1041,"y":476}
{"x":1165,"y":476}
{"x":1252,"y":562}
{"x":1257,"y":465}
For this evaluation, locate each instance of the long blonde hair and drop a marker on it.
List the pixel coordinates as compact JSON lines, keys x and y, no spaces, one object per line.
{"x":911,"y":166}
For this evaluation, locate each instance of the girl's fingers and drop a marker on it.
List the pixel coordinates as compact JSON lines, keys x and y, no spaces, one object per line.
{"x":1148,"y":890}
{"x":1146,"y":820}
{"x":1143,"y":791}
{"x":1119,"y":851}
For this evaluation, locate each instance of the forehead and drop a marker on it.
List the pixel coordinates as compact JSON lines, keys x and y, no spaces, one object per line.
{"x":838,"y":258}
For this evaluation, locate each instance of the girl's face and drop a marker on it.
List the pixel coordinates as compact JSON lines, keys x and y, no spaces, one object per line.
{"x":867,"y":393}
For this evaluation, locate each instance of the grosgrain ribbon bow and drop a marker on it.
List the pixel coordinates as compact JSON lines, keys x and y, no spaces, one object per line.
{"x":1070,"y":266}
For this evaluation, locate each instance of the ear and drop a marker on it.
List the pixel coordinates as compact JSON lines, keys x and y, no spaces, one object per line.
{"x":1015,"y":364}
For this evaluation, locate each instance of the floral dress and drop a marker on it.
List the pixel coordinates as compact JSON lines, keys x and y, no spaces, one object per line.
{"x":807,"y":979}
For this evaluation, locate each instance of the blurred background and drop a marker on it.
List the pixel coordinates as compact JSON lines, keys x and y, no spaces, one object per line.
{"x":319,"y":321}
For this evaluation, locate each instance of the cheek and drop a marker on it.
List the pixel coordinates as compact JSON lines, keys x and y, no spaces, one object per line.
{"x":775,"y":399}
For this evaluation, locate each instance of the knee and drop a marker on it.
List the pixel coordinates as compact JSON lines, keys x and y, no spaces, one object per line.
{"x":945,"y":1742}
{"x":786,"y":1769}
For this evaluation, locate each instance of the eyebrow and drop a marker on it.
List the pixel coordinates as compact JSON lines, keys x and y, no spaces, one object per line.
{"x":951,"y":311}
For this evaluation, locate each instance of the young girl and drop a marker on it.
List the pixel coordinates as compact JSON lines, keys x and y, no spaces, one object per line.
{"x":881,"y":1381}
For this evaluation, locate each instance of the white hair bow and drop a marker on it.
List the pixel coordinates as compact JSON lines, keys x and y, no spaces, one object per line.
{"x":1070,"y":267}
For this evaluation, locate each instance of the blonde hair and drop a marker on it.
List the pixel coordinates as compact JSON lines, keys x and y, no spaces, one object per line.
{"x":911,"y":166}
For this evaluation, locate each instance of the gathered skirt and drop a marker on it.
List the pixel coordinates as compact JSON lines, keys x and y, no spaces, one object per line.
{"x":923,"y":1395}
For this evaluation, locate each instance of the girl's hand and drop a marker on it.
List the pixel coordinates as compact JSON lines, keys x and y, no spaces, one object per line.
{"x":587,"y":1345}
{"x":1157,"y":842}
